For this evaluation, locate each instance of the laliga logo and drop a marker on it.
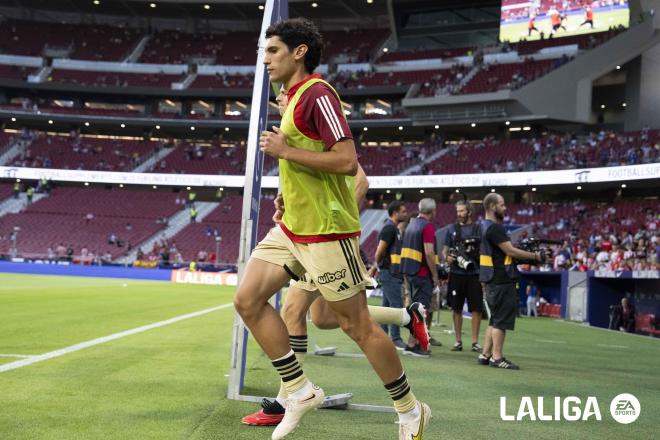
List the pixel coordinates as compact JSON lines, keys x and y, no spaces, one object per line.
{"x":569,"y":409}
{"x":624,"y":408}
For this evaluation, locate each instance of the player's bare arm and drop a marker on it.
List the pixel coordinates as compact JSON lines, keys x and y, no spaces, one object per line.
{"x":341,"y":158}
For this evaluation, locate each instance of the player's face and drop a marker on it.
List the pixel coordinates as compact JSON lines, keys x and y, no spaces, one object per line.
{"x":282,"y":101}
{"x":461,"y":214}
{"x":500,"y":209}
{"x":279,"y":60}
{"x":402,"y":214}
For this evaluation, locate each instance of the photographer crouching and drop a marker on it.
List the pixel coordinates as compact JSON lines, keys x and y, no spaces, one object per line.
{"x":497,"y":270}
{"x":460,"y":249}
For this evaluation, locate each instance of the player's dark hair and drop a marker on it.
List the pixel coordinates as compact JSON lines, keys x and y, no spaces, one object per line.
{"x":393,"y":207}
{"x":296,"y":31}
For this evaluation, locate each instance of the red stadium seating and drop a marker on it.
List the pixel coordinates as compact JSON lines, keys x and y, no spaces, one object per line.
{"x":61,"y":218}
{"x":85,"y":153}
{"x":16,"y":73}
{"x":174,"y":47}
{"x":111,"y":79}
{"x":86,"y":42}
{"x":496,"y":77}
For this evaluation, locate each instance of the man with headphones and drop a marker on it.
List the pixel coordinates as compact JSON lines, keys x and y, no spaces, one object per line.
{"x":463,"y":281}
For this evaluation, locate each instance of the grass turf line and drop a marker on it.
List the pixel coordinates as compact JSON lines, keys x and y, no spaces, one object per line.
{"x":170,"y":383}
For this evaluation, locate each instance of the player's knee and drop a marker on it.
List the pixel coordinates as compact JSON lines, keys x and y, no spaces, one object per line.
{"x":356,"y":330}
{"x":245,"y":305}
{"x":293,"y":315}
{"x":324,"y":322}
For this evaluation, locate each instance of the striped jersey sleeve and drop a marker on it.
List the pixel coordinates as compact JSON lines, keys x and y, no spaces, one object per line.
{"x":319,"y":116}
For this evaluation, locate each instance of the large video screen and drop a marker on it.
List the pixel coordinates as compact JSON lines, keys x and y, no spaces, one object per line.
{"x":536,"y":19}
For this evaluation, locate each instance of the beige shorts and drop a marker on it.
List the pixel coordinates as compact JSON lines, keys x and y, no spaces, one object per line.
{"x":304,"y":283}
{"x":333,"y":267}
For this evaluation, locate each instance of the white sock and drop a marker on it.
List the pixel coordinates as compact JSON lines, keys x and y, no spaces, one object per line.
{"x":405,"y":317}
{"x":411,"y":415}
{"x":303,"y":392}
{"x":281,"y":401}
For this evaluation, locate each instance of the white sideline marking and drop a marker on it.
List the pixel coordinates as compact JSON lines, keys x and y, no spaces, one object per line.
{"x":102,"y":340}
{"x":548,"y":341}
{"x":3,"y":355}
{"x":611,"y":346}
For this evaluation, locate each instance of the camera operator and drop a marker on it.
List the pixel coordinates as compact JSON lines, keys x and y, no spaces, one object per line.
{"x":498,"y":272}
{"x":460,"y":249}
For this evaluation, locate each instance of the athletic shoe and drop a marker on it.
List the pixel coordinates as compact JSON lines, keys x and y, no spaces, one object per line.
{"x":434,"y":342}
{"x":295,"y":410}
{"x":416,"y":351}
{"x":503,"y":363}
{"x":399,"y":344}
{"x":457,"y":346}
{"x":476,"y":347}
{"x":415,"y":429}
{"x":483,"y":359}
{"x":271,"y":414}
{"x":417,"y":324}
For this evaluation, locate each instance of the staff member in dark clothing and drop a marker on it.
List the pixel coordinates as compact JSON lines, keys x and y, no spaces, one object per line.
{"x":388,"y":259}
{"x":419,"y":263}
{"x":623,"y":317}
{"x":463,"y":284}
{"x":499,"y":274}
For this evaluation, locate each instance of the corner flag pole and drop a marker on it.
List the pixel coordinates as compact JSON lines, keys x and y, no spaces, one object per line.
{"x":274,"y":11}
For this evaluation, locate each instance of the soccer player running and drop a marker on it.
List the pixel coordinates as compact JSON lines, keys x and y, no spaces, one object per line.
{"x":303,"y":296}
{"x":498,"y":272}
{"x":588,"y":16}
{"x":319,"y":233}
{"x":531,"y":26}
{"x":555,"y":20}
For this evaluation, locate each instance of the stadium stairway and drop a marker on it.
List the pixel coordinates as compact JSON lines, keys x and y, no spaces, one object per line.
{"x":136,"y":53}
{"x":150,"y":164}
{"x":414,"y":169}
{"x":14,"y":206}
{"x":371,"y":220}
{"x":468,"y":76}
{"x":14,"y":150}
{"x":175,"y":224}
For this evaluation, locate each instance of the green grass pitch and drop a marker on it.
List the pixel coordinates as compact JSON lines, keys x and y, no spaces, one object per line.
{"x":170,"y":382}
{"x":514,"y":32}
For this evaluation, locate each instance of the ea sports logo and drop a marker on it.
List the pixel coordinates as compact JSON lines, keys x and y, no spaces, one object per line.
{"x":625,"y":408}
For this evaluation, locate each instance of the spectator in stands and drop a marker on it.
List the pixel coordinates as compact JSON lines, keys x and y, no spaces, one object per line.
{"x":140,"y":255}
{"x":51,"y":254}
{"x":193,"y":214}
{"x":69,"y":253}
{"x":88,"y":218}
{"x":112,"y":238}
{"x":17,"y":189}
{"x":623,"y":317}
{"x":202,"y":256}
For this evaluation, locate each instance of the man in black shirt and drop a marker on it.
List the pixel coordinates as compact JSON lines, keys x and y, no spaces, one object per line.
{"x":499,"y":274}
{"x":463,"y":284}
{"x":387,"y":258}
